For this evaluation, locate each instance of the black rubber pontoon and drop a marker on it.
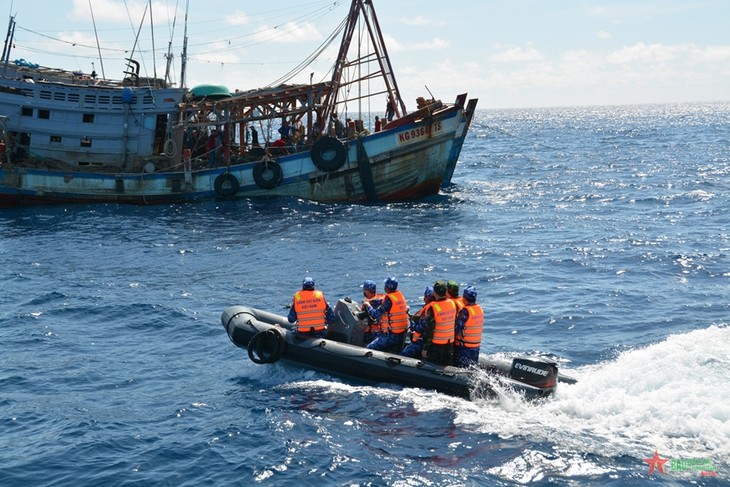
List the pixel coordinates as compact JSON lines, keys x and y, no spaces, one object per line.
{"x":269,"y":338}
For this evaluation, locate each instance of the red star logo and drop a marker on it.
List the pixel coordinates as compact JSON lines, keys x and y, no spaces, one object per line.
{"x":656,"y":463}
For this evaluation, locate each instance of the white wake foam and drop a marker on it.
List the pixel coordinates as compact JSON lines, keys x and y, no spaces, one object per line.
{"x":671,"y":396}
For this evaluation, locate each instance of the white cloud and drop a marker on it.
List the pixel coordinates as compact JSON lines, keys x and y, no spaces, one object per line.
{"x":712,"y":53}
{"x":219,"y":53}
{"x":419,"y":20}
{"x":433,"y":44}
{"x":392,"y":43}
{"x":288,"y":33}
{"x":644,"y":53}
{"x":582,"y":64}
{"x":639,"y":73}
{"x":237,"y":18}
{"x":519,"y":54}
{"x":77,"y":38}
{"x":628,"y":10}
{"x":122,"y":11}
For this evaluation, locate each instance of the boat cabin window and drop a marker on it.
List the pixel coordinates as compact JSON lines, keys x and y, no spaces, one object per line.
{"x":26,"y":112}
{"x":88,"y":118}
{"x":85,"y":142}
{"x":46,"y":114}
{"x":56,"y":139}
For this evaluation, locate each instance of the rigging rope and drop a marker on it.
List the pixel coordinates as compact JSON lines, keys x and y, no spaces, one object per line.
{"x":311,"y":58}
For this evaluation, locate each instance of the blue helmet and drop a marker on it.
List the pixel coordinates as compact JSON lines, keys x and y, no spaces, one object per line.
{"x":369,"y":285}
{"x":391,"y":284}
{"x":428,"y":293}
{"x":308,"y":283}
{"x":470,"y":294}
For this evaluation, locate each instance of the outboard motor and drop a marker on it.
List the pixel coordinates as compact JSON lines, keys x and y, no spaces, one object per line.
{"x":536,"y":371}
{"x":347,"y":327}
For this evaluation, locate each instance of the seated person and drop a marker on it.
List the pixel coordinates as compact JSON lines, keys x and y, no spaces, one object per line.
{"x":372,"y":298}
{"x":310,"y":311}
{"x":392,"y":314}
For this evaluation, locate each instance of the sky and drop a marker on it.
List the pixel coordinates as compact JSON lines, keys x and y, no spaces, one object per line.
{"x":508,"y":53}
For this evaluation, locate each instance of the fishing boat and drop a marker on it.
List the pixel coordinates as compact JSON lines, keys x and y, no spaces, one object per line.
{"x":75,"y":137}
{"x":269,"y":338}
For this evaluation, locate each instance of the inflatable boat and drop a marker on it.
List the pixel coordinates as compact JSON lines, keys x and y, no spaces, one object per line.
{"x":269,"y":338}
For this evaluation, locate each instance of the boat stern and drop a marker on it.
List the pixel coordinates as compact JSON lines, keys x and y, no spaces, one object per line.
{"x":535,"y":371}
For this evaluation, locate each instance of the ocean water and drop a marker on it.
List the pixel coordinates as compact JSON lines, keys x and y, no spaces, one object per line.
{"x":598,"y":236}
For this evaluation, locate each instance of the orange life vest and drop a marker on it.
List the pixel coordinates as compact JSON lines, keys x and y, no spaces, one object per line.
{"x":472,"y":335}
{"x":374,"y":327}
{"x":444,"y":314}
{"x":459,"y":302}
{"x":310,"y":307}
{"x":416,"y":318}
{"x":417,"y":315}
{"x":396,"y":319}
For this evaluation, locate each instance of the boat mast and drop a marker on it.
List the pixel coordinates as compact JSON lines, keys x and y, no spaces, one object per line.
{"x":384,"y":60}
{"x":184,"y":56}
{"x":96,"y":35}
{"x":168,"y":56}
{"x":8,"y":43}
{"x":364,"y":7}
{"x":152,"y":33}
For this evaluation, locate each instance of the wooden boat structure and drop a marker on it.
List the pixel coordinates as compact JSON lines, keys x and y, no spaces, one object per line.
{"x":269,"y":338}
{"x":70,"y":137}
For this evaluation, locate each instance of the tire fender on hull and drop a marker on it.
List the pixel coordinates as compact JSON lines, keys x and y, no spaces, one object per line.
{"x":266,"y":346}
{"x":267,"y":174}
{"x":170,"y":148}
{"x":226,"y":185}
{"x":328,"y":154}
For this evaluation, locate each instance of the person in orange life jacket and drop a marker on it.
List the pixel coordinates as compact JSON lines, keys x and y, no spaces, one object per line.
{"x":310,"y":311}
{"x":452,"y":292}
{"x":392,"y":314}
{"x":438,"y":327}
{"x":427,"y":298}
{"x":414,"y":348}
{"x":468,"y":330}
{"x":372,"y":298}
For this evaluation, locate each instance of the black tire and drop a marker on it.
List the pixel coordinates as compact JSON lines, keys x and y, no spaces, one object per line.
{"x":328,"y":154}
{"x":267,"y":174}
{"x":170,"y":148}
{"x":226,"y":185}
{"x":266,"y":347}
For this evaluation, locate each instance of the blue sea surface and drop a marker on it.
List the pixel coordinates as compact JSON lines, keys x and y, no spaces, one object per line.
{"x":598,"y":236}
